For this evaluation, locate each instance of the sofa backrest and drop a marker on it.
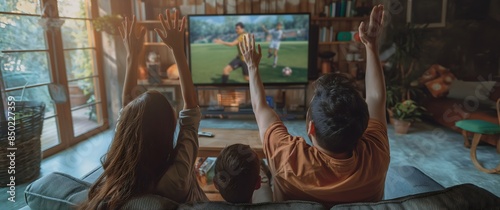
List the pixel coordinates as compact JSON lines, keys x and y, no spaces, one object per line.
{"x":465,"y":196}
{"x":286,"y":205}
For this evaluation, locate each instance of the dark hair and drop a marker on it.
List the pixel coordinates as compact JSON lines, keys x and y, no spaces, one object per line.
{"x":240,"y":24}
{"x":339,"y":113}
{"x":237,"y":171}
{"x":141,"y":151}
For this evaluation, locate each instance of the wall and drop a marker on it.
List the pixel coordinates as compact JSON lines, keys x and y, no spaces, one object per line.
{"x":468,"y":44}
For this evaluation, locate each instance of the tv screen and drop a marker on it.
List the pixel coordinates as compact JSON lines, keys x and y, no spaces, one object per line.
{"x":215,"y":58}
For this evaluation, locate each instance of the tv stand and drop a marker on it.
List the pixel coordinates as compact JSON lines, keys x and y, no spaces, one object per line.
{"x":289,"y":101}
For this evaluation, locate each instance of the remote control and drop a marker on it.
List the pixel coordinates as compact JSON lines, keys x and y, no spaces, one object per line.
{"x":205,"y":134}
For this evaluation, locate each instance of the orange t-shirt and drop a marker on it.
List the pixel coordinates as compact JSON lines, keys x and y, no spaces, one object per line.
{"x":302,"y":172}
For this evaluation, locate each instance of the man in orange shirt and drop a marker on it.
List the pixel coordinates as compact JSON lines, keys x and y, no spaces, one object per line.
{"x":349,"y":156}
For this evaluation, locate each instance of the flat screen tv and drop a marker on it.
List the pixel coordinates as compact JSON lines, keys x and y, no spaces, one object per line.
{"x":214,"y":55}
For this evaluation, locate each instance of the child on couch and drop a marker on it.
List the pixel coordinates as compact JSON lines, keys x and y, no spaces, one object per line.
{"x":239,"y":176}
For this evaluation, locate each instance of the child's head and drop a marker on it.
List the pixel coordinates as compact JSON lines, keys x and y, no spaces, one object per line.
{"x":237,"y":170}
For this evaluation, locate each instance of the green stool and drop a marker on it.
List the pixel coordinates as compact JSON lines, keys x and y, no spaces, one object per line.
{"x":479,"y":127}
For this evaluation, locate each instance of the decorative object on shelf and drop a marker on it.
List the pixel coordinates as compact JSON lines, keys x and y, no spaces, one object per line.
{"x":327,"y":62}
{"x":344,"y":36}
{"x":404,"y":113}
{"x":173,"y":72}
{"x":153,"y":65}
{"x":108,"y":24}
{"x":143,"y":73}
{"x":28,"y":155}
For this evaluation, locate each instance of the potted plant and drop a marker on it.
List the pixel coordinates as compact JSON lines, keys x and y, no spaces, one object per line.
{"x":107,"y":23}
{"x":404,"y":114}
{"x":408,"y":40}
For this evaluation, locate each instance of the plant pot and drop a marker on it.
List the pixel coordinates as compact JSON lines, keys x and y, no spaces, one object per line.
{"x":401,"y":126}
{"x":76,"y":96}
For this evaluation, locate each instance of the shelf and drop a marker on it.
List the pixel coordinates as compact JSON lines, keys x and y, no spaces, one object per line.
{"x":161,"y":44}
{"x":339,"y":18}
{"x":163,"y":82}
{"x":336,"y":43}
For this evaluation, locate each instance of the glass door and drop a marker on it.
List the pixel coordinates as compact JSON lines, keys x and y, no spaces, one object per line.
{"x":32,"y":58}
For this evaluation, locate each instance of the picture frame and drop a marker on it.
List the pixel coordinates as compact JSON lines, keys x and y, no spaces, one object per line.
{"x":427,"y":12}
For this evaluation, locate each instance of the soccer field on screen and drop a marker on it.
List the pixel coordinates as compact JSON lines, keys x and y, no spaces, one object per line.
{"x":208,"y":61}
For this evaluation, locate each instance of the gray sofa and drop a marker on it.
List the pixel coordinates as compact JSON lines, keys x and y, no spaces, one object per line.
{"x":406,"y":188}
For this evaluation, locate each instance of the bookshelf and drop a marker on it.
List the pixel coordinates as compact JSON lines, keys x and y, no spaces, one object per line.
{"x":349,"y":54}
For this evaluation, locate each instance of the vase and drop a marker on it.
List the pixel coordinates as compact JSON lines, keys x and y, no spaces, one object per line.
{"x":401,"y":126}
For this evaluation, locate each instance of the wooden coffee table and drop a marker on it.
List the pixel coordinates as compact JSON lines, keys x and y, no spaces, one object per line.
{"x":212,"y":146}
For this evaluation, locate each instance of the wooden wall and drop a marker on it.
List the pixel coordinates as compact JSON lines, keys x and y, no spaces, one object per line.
{"x":241,"y":6}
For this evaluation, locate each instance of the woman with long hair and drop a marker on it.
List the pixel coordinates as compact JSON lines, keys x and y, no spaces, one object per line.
{"x":142,"y":158}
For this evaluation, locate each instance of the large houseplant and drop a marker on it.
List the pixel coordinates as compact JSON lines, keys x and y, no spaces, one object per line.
{"x":401,"y":86}
{"x":404,"y":114}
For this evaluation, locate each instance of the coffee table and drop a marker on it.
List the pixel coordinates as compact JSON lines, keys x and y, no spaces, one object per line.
{"x":212,"y":146}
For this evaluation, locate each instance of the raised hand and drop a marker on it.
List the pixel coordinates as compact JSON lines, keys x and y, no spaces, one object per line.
{"x":132,"y":40}
{"x":247,"y":49}
{"x":172,"y":34}
{"x":369,"y":33}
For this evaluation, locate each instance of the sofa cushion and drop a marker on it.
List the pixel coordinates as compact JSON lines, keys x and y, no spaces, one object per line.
{"x":465,"y":196}
{"x":286,"y":205}
{"x":56,"y":191}
{"x":61,"y":191}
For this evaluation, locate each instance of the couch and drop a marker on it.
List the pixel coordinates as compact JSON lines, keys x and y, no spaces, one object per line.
{"x":406,"y":188}
{"x":467,"y":100}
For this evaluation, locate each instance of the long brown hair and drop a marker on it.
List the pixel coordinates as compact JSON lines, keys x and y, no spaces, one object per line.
{"x":141,"y":152}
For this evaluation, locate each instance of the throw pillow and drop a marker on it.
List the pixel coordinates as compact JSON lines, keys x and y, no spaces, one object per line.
{"x":56,"y":191}
{"x":437,"y":79}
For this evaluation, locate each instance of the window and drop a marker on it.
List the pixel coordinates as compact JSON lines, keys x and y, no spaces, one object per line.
{"x":32,"y":57}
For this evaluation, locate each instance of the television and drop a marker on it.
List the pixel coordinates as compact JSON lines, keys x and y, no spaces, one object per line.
{"x":214,"y":55}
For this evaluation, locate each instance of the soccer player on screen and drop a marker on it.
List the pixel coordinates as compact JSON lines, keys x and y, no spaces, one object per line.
{"x":238,"y":61}
{"x":276,"y":36}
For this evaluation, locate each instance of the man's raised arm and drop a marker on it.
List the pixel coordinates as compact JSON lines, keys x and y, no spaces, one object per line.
{"x":375,"y":84}
{"x":264,"y":115}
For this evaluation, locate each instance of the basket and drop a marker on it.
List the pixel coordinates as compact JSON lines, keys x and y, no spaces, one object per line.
{"x":28,"y":154}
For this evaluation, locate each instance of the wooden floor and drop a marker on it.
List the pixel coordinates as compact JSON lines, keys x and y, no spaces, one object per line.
{"x":81,"y":124}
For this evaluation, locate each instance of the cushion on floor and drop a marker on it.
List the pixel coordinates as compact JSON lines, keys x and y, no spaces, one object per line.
{"x":478,"y":126}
